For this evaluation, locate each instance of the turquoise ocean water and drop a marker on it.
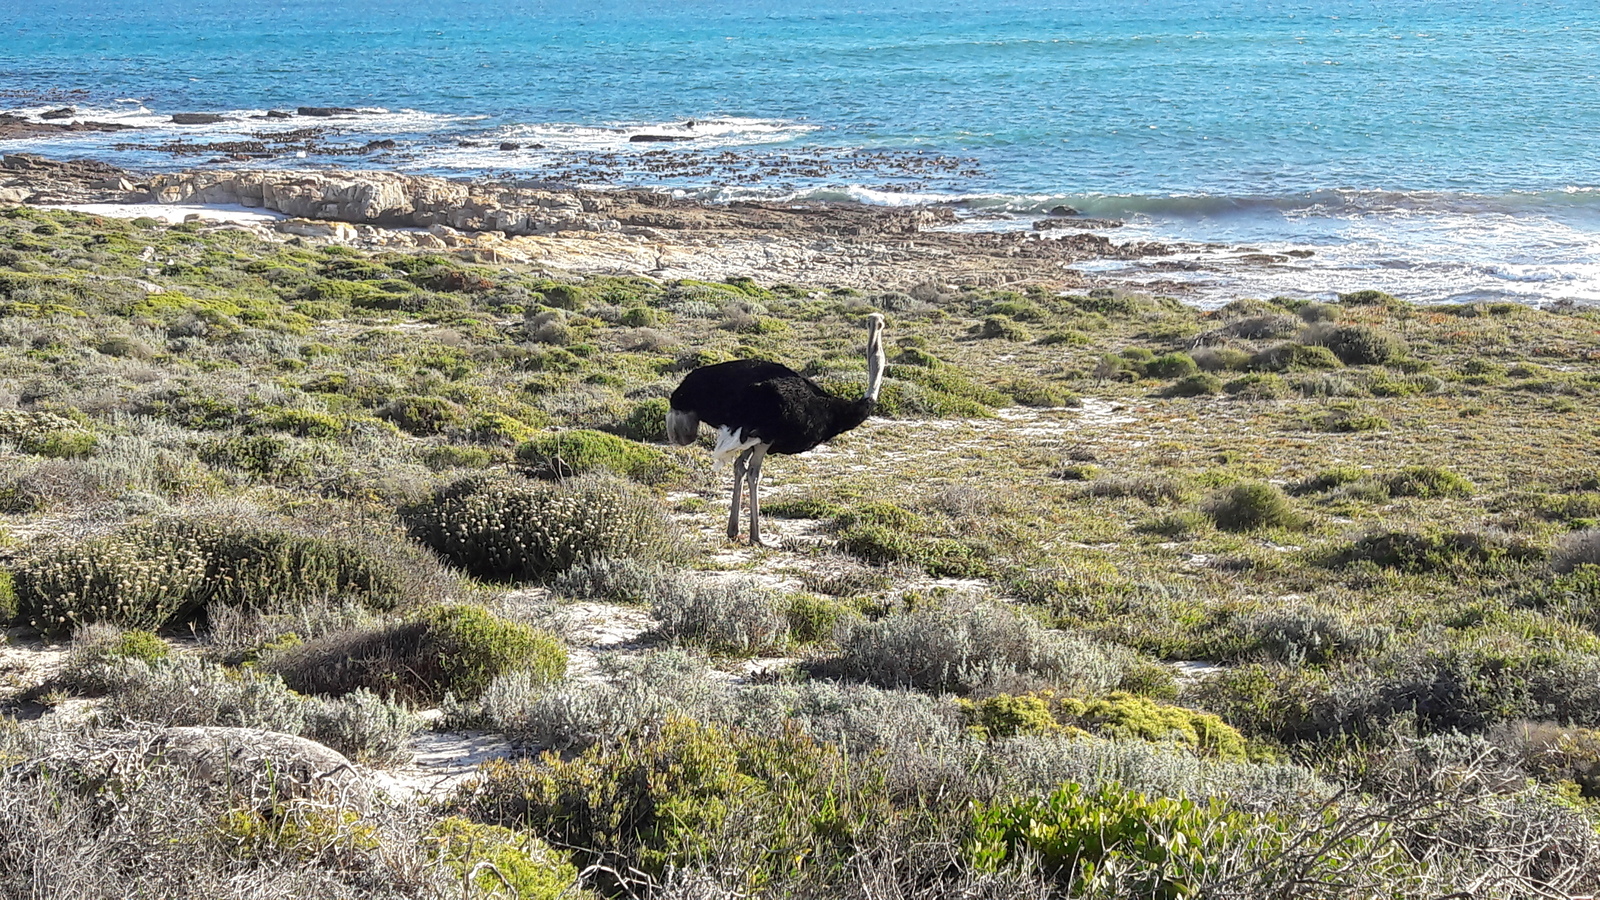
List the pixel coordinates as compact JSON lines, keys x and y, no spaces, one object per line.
{"x":1441,"y":150}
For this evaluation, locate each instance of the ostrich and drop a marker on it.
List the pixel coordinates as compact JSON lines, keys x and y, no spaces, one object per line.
{"x":760,"y":407}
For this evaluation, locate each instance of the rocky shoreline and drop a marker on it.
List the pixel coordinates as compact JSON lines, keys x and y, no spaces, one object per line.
{"x":591,"y":231}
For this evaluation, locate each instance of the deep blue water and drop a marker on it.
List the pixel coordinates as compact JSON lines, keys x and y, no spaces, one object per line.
{"x":1440,"y":149}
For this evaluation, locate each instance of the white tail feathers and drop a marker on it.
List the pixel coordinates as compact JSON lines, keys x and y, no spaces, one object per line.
{"x":682,"y":427}
{"x":729,"y":445}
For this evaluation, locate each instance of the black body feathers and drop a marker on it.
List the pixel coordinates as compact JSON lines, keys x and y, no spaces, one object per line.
{"x":767,"y":401}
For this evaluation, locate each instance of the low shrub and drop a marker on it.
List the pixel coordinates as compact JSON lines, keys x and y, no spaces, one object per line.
{"x":518,"y":530}
{"x":9,"y":607}
{"x":962,"y":645}
{"x":1202,"y":384}
{"x":1258,"y":386}
{"x":1252,"y":506}
{"x":188,"y":691}
{"x":1309,"y":635}
{"x":736,"y":617}
{"x":494,"y":859}
{"x":363,"y":726}
{"x":1576,"y":550}
{"x":1428,"y":482}
{"x":1107,"y":841}
{"x":424,"y":416}
{"x":46,"y":434}
{"x":1007,"y":715}
{"x":1361,"y":345}
{"x":1124,"y":715}
{"x":453,"y":649}
{"x":813,"y":619}
{"x":1003,"y":327}
{"x":1327,"y":480}
{"x":1171,"y":365}
{"x":616,"y":580}
{"x":1291,"y":357}
{"x":568,"y":453}
{"x":647,"y":421}
{"x":128,"y":579}
{"x":1437,"y":551}
{"x":689,"y":795}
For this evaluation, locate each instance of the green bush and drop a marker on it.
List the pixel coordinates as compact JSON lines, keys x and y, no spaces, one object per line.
{"x":1003,"y":327}
{"x":1437,"y":551}
{"x":424,"y":415}
{"x":46,"y":434}
{"x":568,"y":453}
{"x":647,"y":421}
{"x":642,"y":317}
{"x":1328,"y":479}
{"x":446,"y":648}
{"x":1371,"y":297}
{"x":1428,"y":482}
{"x":156,"y":572}
{"x":1172,"y":365}
{"x":1258,"y":386}
{"x":268,"y":456}
{"x":1253,"y":505}
{"x":1124,"y":715}
{"x":1360,"y":345}
{"x":144,"y":646}
{"x":519,"y":530}
{"x":494,"y":859}
{"x":1294,"y":357}
{"x":8,"y":598}
{"x":1005,"y":715}
{"x":1200,"y":384}
{"x":812,"y":618}
{"x":126,"y":579}
{"x":1108,"y":841}
{"x":686,"y":795}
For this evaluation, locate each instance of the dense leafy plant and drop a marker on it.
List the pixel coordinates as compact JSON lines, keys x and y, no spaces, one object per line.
{"x":508,"y":529}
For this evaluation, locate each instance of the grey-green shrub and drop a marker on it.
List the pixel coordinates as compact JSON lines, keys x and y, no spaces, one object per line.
{"x":1580,"y":548}
{"x":961,"y":645}
{"x":186,"y":690}
{"x":617,"y":580}
{"x":363,"y":726}
{"x":508,"y":529}
{"x":735,"y":616}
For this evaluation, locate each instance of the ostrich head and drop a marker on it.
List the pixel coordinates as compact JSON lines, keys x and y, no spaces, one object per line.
{"x":876,"y":362}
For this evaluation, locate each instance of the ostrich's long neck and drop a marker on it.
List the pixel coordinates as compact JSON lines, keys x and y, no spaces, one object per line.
{"x":875,"y":362}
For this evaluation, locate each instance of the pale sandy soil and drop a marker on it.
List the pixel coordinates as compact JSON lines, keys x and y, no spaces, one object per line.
{"x":176,"y":213}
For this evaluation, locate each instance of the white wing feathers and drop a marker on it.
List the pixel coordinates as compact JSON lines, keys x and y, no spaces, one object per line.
{"x":729,"y":445}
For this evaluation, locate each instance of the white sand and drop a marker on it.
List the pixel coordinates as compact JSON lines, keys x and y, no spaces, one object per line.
{"x":172,"y":213}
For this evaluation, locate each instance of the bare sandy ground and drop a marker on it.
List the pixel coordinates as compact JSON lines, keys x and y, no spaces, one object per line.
{"x":173,"y":214}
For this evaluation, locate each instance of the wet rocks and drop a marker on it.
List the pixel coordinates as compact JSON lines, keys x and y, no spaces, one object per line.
{"x":65,"y":112}
{"x":326,"y":112}
{"x":1086,"y":224}
{"x":658,"y":138}
{"x":197,"y":118}
{"x":13,"y":126}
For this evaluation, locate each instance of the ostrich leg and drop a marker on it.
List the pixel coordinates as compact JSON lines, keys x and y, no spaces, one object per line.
{"x":738,"y":488}
{"x":756,"y":454}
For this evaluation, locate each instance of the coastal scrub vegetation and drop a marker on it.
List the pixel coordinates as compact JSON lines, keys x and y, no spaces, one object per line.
{"x":1117,"y":597}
